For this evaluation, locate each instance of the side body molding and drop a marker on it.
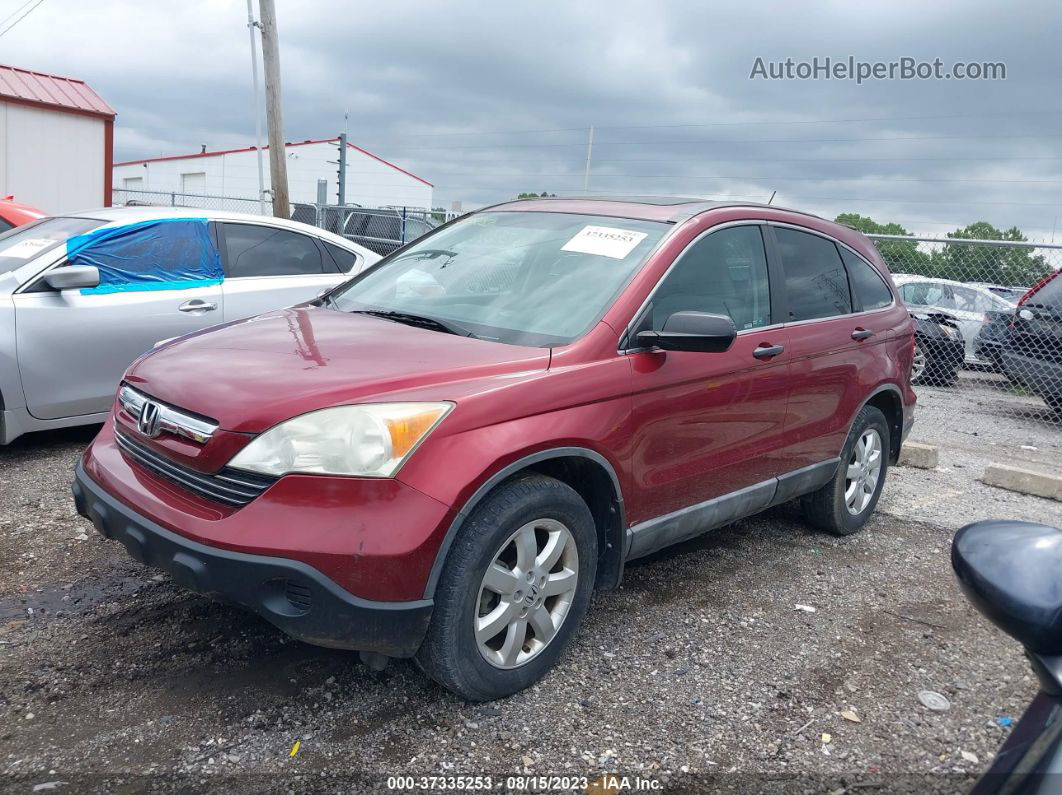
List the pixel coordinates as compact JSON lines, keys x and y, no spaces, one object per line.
{"x":655,"y":534}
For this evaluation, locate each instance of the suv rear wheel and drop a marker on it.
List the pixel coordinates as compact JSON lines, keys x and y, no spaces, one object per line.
{"x":516,"y":585}
{"x":844,"y":504}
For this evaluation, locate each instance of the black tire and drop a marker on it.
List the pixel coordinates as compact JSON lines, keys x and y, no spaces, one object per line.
{"x":826,"y":508}
{"x":450,"y":654}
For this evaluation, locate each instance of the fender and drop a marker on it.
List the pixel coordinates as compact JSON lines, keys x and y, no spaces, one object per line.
{"x":617,"y":532}
{"x":894,"y":452}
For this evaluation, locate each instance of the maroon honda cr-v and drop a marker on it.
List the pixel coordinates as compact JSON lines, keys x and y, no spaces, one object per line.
{"x":444,"y":457}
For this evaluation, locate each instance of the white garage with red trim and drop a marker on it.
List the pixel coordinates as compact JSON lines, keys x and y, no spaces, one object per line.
{"x":56,"y":141}
{"x":371,"y":180}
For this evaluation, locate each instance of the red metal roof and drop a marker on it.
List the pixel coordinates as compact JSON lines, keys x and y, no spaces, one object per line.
{"x":289,"y":143}
{"x":51,"y":91}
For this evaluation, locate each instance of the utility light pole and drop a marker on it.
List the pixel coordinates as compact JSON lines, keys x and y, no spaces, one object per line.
{"x":341,"y":193}
{"x":278,"y":163}
{"x":251,"y":25}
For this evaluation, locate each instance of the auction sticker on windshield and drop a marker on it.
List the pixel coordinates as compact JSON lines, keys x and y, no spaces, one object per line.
{"x":605,"y":241}
{"x":25,"y":249}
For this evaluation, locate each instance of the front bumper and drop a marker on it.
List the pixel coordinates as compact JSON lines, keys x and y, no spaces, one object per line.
{"x":1040,"y":375}
{"x":946,"y":353}
{"x":295,"y":597}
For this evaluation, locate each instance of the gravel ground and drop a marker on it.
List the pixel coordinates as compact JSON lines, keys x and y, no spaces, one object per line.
{"x":700,"y":672}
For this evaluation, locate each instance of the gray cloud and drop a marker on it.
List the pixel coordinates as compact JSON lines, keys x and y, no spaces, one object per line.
{"x":464,"y":93}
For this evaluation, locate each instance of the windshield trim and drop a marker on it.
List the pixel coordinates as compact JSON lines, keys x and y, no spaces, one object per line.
{"x":327,"y":300}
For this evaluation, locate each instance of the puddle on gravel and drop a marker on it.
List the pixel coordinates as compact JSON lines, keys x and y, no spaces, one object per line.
{"x":75,"y":599}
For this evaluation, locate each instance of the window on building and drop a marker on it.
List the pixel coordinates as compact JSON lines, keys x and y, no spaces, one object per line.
{"x":193,"y":182}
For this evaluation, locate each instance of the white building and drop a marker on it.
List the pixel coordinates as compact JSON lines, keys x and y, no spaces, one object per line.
{"x":371,"y":180}
{"x":56,"y":142}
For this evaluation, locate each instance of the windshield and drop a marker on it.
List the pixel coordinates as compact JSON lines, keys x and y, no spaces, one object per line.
{"x":1050,"y":294}
{"x":21,"y":244}
{"x":524,"y":278}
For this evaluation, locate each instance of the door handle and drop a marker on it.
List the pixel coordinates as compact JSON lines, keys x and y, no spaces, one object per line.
{"x":197,"y":305}
{"x":862,"y":334}
{"x":767,"y":351}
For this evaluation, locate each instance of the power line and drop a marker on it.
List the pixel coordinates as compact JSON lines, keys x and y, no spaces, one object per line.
{"x":9,"y":27}
{"x":757,"y":122}
{"x":714,"y":141}
{"x":13,"y":13}
{"x":756,"y":177}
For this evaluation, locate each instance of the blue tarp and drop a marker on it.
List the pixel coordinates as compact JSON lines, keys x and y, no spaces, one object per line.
{"x":168,"y":254}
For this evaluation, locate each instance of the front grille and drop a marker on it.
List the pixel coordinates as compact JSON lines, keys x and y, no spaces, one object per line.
{"x":229,"y":486}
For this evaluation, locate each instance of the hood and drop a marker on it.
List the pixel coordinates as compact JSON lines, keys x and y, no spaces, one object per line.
{"x":254,"y":373}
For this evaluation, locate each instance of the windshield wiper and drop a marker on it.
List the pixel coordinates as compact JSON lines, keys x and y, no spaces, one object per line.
{"x":420,"y":321}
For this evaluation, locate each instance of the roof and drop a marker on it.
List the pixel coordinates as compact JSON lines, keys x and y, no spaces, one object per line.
{"x":119,"y":216}
{"x":51,"y":91}
{"x":669,"y":209}
{"x":264,"y":148}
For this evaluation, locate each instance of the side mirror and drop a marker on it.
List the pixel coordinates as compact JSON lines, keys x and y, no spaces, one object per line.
{"x":73,"y":277}
{"x":700,"y":332}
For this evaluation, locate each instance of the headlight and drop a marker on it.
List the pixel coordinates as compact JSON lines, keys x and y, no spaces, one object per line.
{"x":370,"y":440}
{"x":948,"y":331}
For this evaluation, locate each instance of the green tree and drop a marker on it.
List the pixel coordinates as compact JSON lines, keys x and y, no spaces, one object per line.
{"x":533,"y":195}
{"x":900,"y":255}
{"x":995,"y":264}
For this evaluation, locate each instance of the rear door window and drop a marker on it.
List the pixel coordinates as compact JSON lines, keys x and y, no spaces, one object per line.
{"x":815,"y":277}
{"x":869,"y":288}
{"x":253,"y":250}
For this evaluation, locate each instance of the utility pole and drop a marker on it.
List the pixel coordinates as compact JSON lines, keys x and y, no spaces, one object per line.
{"x":589,"y":153}
{"x":341,"y":194}
{"x":251,"y":25}
{"x":278,"y":163}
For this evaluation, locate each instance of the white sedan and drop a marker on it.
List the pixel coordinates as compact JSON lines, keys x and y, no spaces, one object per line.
{"x":969,"y":304}
{"x":83,"y":295}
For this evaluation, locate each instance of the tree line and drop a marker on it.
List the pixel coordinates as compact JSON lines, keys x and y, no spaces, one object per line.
{"x":1011,"y":266}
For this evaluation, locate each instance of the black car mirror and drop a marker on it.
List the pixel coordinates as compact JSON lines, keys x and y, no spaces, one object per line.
{"x":700,"y":332}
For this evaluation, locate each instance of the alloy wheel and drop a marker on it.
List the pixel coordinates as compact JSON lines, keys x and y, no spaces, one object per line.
{"x":864,"y":469}
{"x":918,"y":366}
{"x":526,"y":593}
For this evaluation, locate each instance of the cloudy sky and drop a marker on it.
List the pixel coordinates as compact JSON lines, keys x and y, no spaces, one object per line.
{"x":487,"y":99}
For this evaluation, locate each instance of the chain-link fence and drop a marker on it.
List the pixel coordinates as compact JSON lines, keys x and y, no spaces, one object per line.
{"x":380,"y":229}
{"x":988,"y":317}
{"x":120,"y":197}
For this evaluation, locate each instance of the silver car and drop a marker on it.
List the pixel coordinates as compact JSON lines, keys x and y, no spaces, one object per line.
{"x":83,"y":295}
{"x":971,"y":305}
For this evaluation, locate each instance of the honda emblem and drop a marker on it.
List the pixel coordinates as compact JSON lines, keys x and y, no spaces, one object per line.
{"x":148,"y":423}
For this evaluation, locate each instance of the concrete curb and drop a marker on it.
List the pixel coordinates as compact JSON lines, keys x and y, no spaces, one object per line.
{"x":922,"y":456}
{"x":1024,"y":481}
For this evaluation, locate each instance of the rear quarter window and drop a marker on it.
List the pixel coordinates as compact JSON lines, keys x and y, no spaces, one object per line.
{"x":869,"y":288}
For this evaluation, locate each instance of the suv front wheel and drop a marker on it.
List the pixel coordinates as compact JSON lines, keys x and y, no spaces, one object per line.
{"x":844,"y":504}
{"x":516,"y":584}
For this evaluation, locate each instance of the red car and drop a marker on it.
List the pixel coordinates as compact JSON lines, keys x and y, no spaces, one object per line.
{"x":13,"y":214}
{"x":443,"y":457}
